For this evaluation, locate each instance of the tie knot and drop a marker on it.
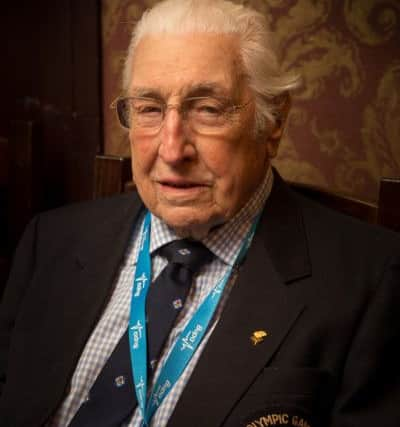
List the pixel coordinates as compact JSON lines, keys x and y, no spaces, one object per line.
{"x":190,"y":253}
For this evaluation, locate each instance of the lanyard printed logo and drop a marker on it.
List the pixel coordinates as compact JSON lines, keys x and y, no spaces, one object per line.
{"x":140,"y":284}
{"x":137,"y":334}
{"x":188,"y":340}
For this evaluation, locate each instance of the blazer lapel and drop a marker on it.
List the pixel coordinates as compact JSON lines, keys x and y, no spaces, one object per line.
{"x":78,"y":291}
{"x":96,"y":268}
{"x":259,"y":301}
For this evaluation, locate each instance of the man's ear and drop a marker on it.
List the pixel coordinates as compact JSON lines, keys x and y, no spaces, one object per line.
{"x":275,"y":135}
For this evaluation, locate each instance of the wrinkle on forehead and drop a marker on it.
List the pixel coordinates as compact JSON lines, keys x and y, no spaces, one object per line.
{"x":187,"y":65}
{"x":192,"y":90}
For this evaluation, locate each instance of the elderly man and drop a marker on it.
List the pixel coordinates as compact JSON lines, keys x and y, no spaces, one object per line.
{"x":215,"y":296}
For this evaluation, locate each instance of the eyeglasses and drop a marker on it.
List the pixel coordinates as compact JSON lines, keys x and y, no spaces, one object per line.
{"x":204,"y":114}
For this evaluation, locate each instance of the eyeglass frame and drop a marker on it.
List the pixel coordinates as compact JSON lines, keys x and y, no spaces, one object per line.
{"x":234,"y":108}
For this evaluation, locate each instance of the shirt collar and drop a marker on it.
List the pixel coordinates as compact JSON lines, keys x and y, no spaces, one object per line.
{"x":226,"y":240}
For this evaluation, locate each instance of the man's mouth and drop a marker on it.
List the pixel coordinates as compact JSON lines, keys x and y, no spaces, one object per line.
{"x":181,"y":184}
{"x":188,"y":185}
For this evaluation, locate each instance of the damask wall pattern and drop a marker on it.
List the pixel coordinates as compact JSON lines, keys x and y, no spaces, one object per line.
{"x":344,"y":129}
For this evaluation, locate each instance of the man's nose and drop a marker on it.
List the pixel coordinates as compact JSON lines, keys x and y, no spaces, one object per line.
{"x":175,"y":145}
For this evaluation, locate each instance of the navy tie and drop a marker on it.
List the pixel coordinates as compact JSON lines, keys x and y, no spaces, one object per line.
{"x":112,"y":397}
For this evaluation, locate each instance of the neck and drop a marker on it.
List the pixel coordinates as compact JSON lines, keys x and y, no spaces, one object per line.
{"x":197,"y":232}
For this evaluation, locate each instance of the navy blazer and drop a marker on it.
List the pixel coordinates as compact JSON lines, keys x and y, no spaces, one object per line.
{"x":324,"y":287}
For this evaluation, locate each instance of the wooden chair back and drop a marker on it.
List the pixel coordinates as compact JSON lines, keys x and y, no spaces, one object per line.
{"x":111,"y":174}
{"x":364,"y":211}
{"x":389,"y":203}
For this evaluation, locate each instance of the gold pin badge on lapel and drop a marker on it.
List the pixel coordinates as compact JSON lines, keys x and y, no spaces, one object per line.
{"x":258,"y":336}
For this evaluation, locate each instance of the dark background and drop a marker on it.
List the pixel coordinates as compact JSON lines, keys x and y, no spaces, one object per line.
{"x":50,"y":109}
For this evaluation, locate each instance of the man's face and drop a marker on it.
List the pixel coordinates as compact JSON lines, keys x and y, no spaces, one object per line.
{"x":191,"y":180}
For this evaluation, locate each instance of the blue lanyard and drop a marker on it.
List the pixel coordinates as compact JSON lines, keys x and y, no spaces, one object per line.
{"x":188,"y":340}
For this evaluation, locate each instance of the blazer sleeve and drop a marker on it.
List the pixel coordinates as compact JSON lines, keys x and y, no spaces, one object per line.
{"x":18,"y":283}
{"x":369,"y":394}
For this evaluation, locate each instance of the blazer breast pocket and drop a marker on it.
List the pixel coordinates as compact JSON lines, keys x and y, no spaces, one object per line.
{"x":299,"y":397}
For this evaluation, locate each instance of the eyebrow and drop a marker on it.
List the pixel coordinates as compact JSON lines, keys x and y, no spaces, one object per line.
{"x":146,"y":92}
{"x":199,"y":89}
{"x":207,"y":89}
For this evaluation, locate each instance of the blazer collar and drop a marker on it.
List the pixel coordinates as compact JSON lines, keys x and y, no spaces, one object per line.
{"x":284,"y":234}
{"x":281,"y":225}
{"x":110,"y":237}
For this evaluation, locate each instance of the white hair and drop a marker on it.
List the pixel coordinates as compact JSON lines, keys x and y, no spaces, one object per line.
{"x":260,"y":63}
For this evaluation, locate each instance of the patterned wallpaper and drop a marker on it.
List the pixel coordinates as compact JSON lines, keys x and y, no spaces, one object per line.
{"x":344,"y":129}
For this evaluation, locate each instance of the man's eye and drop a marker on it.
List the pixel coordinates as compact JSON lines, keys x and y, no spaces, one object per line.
{"x":148,"y":109}
{"x":207,"y":108}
